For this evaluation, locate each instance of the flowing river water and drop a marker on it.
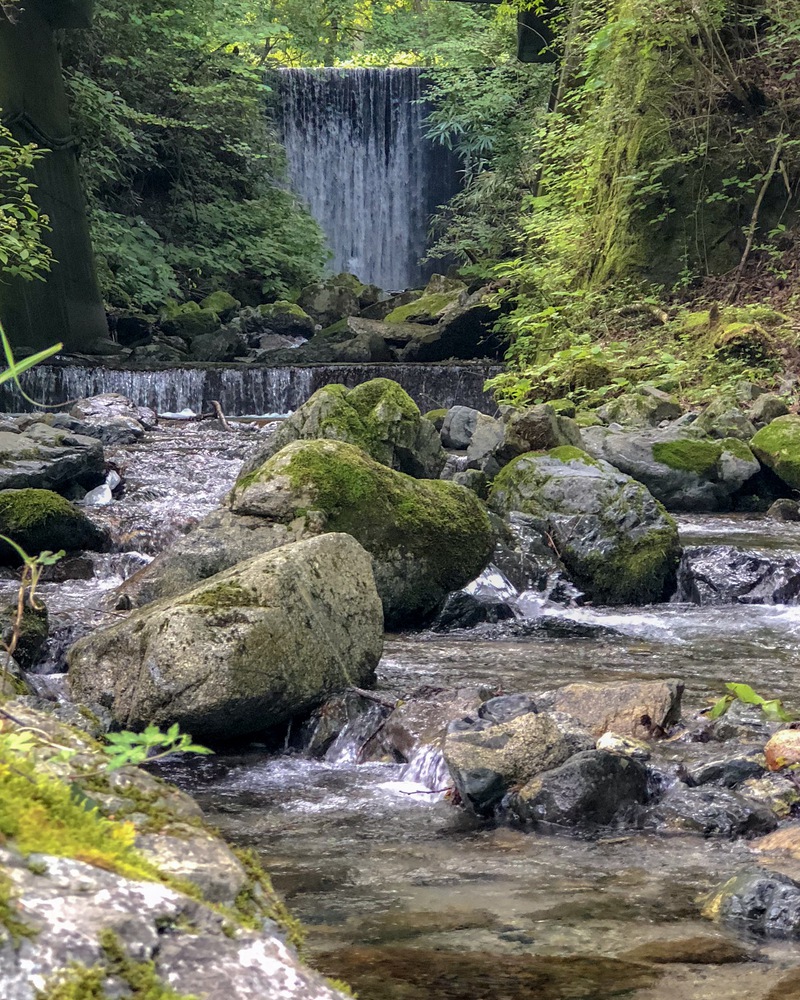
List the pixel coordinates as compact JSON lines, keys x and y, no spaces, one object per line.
{"x":403,"y":894}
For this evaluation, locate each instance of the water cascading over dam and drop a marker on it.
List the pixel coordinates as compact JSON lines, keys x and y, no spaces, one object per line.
{"x":358,"y":156}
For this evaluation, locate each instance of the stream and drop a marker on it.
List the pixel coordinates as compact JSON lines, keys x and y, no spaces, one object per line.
{"x":405,"y":896}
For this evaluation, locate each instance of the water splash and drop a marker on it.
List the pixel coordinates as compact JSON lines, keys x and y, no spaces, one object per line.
{"x":357,"y":154}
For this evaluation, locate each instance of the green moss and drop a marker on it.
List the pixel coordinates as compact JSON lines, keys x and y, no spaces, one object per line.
{"x":425,"y":307}
{"x":569,"y":453}
{"x":220,"y":302}
{"x":284,"y":308}
{"x":587,"y":418}
{"x":436,"y":417}
{"x":40,"y":519}
{"x":778,"y":446}
{"x":224,"y":595}
{"x":688,"y":455}
{"x":737,"y":448}
{"x":75,"y":983}
{"x":9,"y":915}
{"x":140,"y":977}
{"x":365,"y":398}
{"x":642,"y":571}
{"x":24,"y":509}
{"x":43,"y":815}
{"x":387,"y":510}
{"x":258,"y":899}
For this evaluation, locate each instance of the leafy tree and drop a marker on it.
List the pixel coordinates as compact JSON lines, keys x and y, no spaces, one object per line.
{"x":22,"y":250}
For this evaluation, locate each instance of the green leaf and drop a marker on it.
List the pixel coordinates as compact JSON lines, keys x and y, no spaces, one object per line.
{"x":720,"y":707}
{"x":745,"y":694}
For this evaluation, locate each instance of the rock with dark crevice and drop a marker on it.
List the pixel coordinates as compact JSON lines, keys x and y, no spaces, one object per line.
{"x":724,"y":574}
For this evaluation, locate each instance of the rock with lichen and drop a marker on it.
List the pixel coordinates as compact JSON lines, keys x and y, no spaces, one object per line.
{"x":680,"y":467}
{"x":247,"y":649}
{"x":618,"y":543}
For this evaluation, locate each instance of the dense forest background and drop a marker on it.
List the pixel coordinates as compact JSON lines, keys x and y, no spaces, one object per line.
{"x":631,"y":202}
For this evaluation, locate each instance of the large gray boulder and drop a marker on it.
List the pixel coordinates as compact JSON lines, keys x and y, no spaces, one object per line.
{"x":49,"y":458}
{"x":246,"y":650}
{"x":619,"y":544}
{"x":377,"y":416}
{"x":426,"y":537}
{"x":494,"y":443}
{"x":681,"y":469}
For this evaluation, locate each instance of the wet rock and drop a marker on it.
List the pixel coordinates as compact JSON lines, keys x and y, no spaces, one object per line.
{"x":784,"y":509}
{"x":682,"y":470}
{"x":783,"y":749}
{"x":422,"y":720}
{"x":474,"y":480}
{"x":377,"y":416}
{"x":47,"y":458}
{"x":760,"y":902}
{"x":784,"y":840}
{"x":723,"y":574}
{"x":485,"y":446}
{"x":328,"y":721}
{"x":464,"y":611}
{"x":618,"y":543}
{"x":778,"y":446}
{"x":486,"y":763}
{"x":333,"y":299}
{"x":32,"y":629}
{"x":97,"y":410}
{"x":525,"y":557}
{"x":39,"y":520}
{"x":728,"y":771}
{"x":630,"y":708}
{"x":464,"y":329}
{"x":626,"y":746}
{"x":589,"y":790}
{"x":711,"y":812}
{"x":743,"y":724}
{"x":427,"y":537}
{"x":777,"y":791}
{"x":766,"y":408}
{"x":248,"y":649}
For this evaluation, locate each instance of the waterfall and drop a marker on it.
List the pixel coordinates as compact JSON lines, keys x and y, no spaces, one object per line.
{"x":246,"y":389}
{"x":358,"y":156}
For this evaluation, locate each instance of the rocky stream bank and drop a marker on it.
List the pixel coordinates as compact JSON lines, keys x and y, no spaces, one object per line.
{"x":520,"y":791}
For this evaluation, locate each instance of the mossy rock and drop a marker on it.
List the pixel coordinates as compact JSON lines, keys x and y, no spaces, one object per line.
{"x":39,"y":520}
{"x":287,"y":318}
{"x":744,"y":342}
{"x":33,"y":632}
{"x":426,"y":309}
{"x":426,"y":537}
{"x":778,"y":446}
{"x":192,"y":323}
{"x":377,"y":416}
{"x":436,"y":417}
{"x":221,"y":303}
{"x":618,"y":542}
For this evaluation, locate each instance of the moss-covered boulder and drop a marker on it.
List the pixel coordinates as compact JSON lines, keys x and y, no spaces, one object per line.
{"x":377,"y":416}
{"x":248,"y":649}
{"x":778,"y":446}
{"x":191,"y":323}
{"x":616,"y":540}
{"x":681,"y":468}
{"x":287,"y":319}
{"x":40,"y":519}
{"x":222,"y":303}
{"x":440,"y":294}
{"x":644,"y":408}
{"x":333,"y":299}
{"x":426,"y":538}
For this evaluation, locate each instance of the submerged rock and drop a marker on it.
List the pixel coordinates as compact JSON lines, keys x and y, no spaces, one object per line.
{"x":426,"y":538}
{"x":377,"y":416}
{"x":682,"y":470}
{"x":248,"y":649}
{"x":618,"y":543}
{"x":462,"y":610}
{"x":723,"y":574}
